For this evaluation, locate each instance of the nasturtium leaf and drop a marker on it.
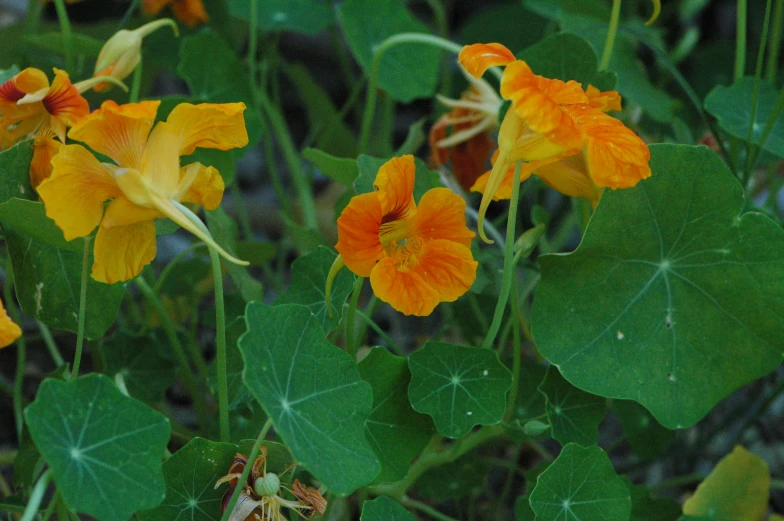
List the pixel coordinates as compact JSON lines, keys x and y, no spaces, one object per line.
{"x":604,"y":80}
{"x":313,"y":393}
{"x":564,"y":56}
{"x":145,"y":371}
{"x":731,"y":106}
{"x":224,"y":230}
{"x":530,"y":404}
{"x":82,"y":45}
{"x":190,"y":475}
{"x":501,"y":23}
{"x":581,"y":484}
{"x":574,"y":415}
{"x":663,"y":302}
{"x":736,"y":490}
{"x":299,"y":16}
{"x":453,"y":480}
{"x":105,"y":449}
{"x":15,"y":166}
{"x":343,"y":170}
{"x":646,"y":436}
{"x":308,"y":283}
{"x":407,"y":71}
{"x":648,"y":508}
{"x":396,"y":432}
{"x":415,"y":138}
{"x":29,"y":218}
{"x":384,"y":509}
{"x":458,"y":386}
{"x":368,"y":168}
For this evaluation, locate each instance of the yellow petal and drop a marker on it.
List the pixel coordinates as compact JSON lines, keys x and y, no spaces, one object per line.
{"x":44,"y":149}
{"x":206,"y":188}
{"x":122,"y":212}
{"x":570,"y":177}
{"x":121,"y":252}
{"x":9,"y":331}
{"x":75,"y":192}
{"x":160,"y":165}
{"x":209,"y":125}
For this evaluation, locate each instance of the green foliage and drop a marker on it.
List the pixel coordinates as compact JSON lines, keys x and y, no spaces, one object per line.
{"x":224,"y":230}
{"x":648,"y":508}
{"x":343,"y":170}
{"x":15,"y":165}
{"x":573,"y":414}
{"x":301,"y":16}
{"x":146,"y":372}
{"x":384,"y":509}
{"x":97,"y":441}
{"x":29,"y":218}
{"x":453,"y":480}
{"x":563,"y":56}
{"x":646,"y":436}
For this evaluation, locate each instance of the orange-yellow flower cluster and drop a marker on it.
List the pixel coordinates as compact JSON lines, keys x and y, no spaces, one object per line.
{"x":9,"y":331}
{"x":559,"y":131}
{"x":189,"y":12}
{"x":415,"y":255}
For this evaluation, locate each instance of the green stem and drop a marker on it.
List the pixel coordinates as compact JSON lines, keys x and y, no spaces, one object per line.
{"x":324,"y":130}
{"x":274,"y":173}
{"x":516,"y":353}
{"x":137,"y":82}
{"x":254,"y":452}
{"x":677,"y":482}
{"x":33,"y":18}
{"x":292,"y":159}
{"x":771,"y":70}
{"x":51,"y":345}
{"x":51,"y":506}
{"x":351,"y":327}
{"x":777,"y":484}
{"x":31,"y":511}
{"x":21,"y":349}
{"x":425,"y":508}
{"x":171,"y":333}
{"x":612,"y":30}
{"x":128,"y":15}
{"x":509,"y":269}
{"x":253,"y":43}
{"x":242,"y":210}
{"x":380,"y":332}
{"x":65,"y":29}
{"x":740,"y":40}
{"x":220,"y":359}
{"x":174,"y":262}
{"x":82,"y":308}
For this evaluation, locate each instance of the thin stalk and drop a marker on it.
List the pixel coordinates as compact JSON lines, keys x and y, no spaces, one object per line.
{"x":179,"y":352}
{"x":442,"y":26}
{"x":274,"y":173}
{"x":51,"y":345}
{"x":21,"y":349}
{"x":740,"y":40}
{"x":242,"y":210}
{"x":65,"y":29}
{"x":128,"y":14}
{"x":33,"y":18}
{"x":771,"y":70}
{"x":506,"y":284}
{"x":254,"y":452}
{"x":253,"y":43}
{"x":380,"y":332}
{"x":777,"y":484}
{"x":174,"y":262}
{"x":612,"y":30}
{"x":517,"y":345}
{"x":772,"y":118}
{"x":351,"y":327}
{"x":51,"y":506}
{"x":31,"y":511}
{"x":82,"y":308}
{"x":425,"y":508}
{"x":137,"y":82}
{"x":349,"y":104}
{"x":677,"y":482}
{"x":755,"y":94}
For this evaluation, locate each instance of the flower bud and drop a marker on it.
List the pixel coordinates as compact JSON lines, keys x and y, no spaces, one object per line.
{"x":267,"y":485}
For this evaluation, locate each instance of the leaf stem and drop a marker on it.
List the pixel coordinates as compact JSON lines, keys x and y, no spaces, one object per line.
{"x":380,"y":332}
{"x":351,"y":327}
{"x":51,"y":345}
{"x":137,"y":82}
{"x":31,"y":511}
{"x":21,"y":349}
{"x":677,"y":482}
{"x":740,"y":40}
{"x":253,"y":43}
{"x":65,"y":29}
{"x":612,"y":30}
{"x":427,"y":509}
{"x":220,"y":359}
{"x":82,"y":308}
{"x":254,"y":452}
{"x":242,"y":211}
{"x":509,"y":268}
{"x":771,"y":69}
{"x":516,"y":353}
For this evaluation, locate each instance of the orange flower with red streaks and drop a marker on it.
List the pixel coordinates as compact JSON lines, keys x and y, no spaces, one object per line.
{"x":558,"y":130}
{"x":415,"y":255}
{"x":189,"y":12}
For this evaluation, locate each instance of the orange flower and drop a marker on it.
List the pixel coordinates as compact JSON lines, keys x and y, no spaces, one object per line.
{"x":145,"y":182}
{"x":9,"y":331}
{"x":415,"y":256}
{"x":549,"y":123}
{"x":189,"y":12}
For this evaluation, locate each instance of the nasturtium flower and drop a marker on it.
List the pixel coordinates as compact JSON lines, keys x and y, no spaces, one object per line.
{"x":9,"y":331}
{"x":415,"y":255}
{"x":144,"y":183}
{"x":189,"y":12}
{"x":559,"y":131}
{"x":122,"y":52}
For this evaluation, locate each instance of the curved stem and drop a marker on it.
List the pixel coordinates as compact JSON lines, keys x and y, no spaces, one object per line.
{"x":51,"y":345}
{"x":351,"y":330}
{"x":380,"y":332}
{"x":254,"y":452}
{"x":509,"y":267}
{"x":425,"y":508}
{"x":678,"y":482}
{"x":31,"y":511}
{"x":771,"y":69}
{"x":21,"y":350}
{"x":137,"y":82}
{"x":612,"y":30}
{"x":65,"y":29}
{"x":82,"y":308}
{"x":755,"y":95}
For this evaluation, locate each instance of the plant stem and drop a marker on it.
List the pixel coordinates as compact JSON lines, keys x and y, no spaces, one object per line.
{"x":82,"y":308}
{"x":254,"y":452}
{"x":351,"y":329}
{"x":516,"y":353}
{"x":612,"y":30}
{"x":677,"y":482}
{"x":242,"y":210}
{"x":137,"y":82}
{"x":380,"y":332}
{"x":771,"y":70}
{"x":220,"y":359}
{"x":173,"y":264}
{"x":740,"y":40}
{"x":509,"y":268}
{"x":427,"y":509}
{"x":21,"y":349}
{"x":128,"y":14}
{"x":253,"y":43}
{"x":171,"y":333}
{"x":31,"y":511}
{"x":65,"y":29}
{"x":777,"y":484}
{"x":51,"y":345}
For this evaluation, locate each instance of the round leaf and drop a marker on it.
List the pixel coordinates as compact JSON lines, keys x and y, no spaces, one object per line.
{"x":384,"y":509}
{"x":574,"y":415}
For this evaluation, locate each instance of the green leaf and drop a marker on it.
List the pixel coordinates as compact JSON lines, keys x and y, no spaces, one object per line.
{"x":453,"y":480}
{"x":530,"y":404}
{"x":665,"y":298}
{"x":731,"y":106}
{"x":384,"y":509}
{"x":15,"y":166}
{"x":501,"y":23}
{"x":564,"y":56}
{"x":190,"y":476}
{"x":604,"y":80}
{"x":646,"y":436}
{"x":648,"y":508}
{"x":29,"y":218}
{"x":368,"y":168}
{"x":736,"y":490}
{"x":581,"y":484}
{"x":458,"y":386}
{"x":343,"y":170}
{"x":415,"y":138}
{"x":224,"y":231}
{"x":313,"y":393}
{"x":99,"y":442}
{"x":395,"y":431}
{"x":48,"y":282}
{"x":299,"y":16}
{"x":55,"y":42}
{"x":145,"y":371}
{"x":308,"y":283}
{"x":7,"y":74}
{"x":407,"y":71}
{"x":574,"y":415}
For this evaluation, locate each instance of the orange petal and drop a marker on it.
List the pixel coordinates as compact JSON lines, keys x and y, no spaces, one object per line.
{"x":44,"y":149}
{"x":394,"y":186}
{"x":209,"y":125}
{"x":153,"y":7}
{"x":75,"y":192}
{"x":118,"y":131}
{"x":479,"y":57}
{"x":64,"y":102}
{"x":26,"y":82}
{"x":121,"y":252}
{"x":605,"y":101}
{"x":447,"y":267}
{"x":9,"y":331}
{"x":207,"y":188}
{"x":358,"y":228}
{"x":406,"y":291}
{"x":441,"y":215}
{"x":190,"y":12}
{"x":504,"y":190}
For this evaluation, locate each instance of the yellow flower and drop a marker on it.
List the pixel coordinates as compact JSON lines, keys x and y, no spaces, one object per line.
{"x":144,"y":183}
{"x":9,"y":331}
{"x":122,"y":52}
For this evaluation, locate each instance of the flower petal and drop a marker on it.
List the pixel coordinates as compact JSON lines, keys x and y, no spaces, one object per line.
{"x":570,"y":176}
{"x":118,"y":131}
{"x":123,"y":212}
{"x":206,"y":189}
{"x":9,"y":331}
{"x":441,"y":215}
{"x":153,"y":7}
{"x":64,"y":102}
{"x":209,"y":125}
{"x":358,"y":228}
{"x":160,"y":163}
{"x":190,"y":12}
{"x":607,"y":101}
{"x":26,"y":82}
{"x":479,"y":57}
{"x":406,"y":291}
{"x":44,"y":149}
{"x":121,"y":252}
{"x":447,"y":267}
{"x":76,"y":190}
{"x":394,"y":186}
